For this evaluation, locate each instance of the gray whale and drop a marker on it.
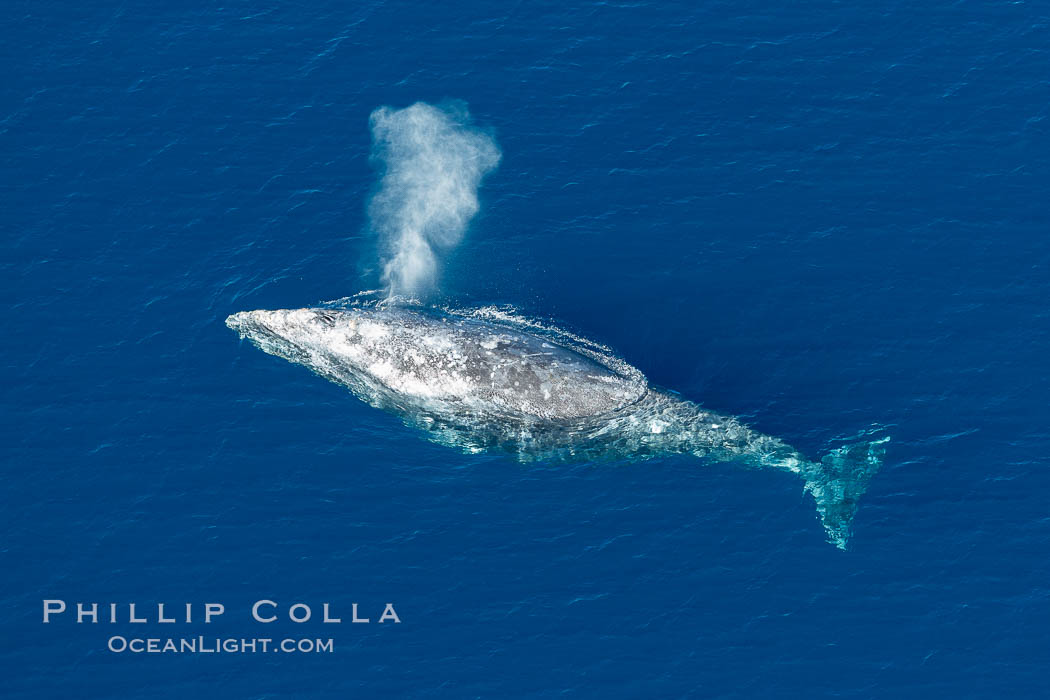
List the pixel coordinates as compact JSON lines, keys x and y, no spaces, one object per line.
{"x":494,"y":382}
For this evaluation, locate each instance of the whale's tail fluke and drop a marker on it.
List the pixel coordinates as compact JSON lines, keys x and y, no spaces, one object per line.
{"x":838,"y":482}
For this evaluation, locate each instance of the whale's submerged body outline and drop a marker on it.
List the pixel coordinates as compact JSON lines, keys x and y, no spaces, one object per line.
{"x":485,"y":380}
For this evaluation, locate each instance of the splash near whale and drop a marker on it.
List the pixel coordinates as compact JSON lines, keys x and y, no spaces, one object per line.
{"x":489,"y":380}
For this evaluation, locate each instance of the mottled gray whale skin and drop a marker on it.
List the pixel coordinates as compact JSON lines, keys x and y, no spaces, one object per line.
{"x":435,"y":359}
{"x":481,"y":384}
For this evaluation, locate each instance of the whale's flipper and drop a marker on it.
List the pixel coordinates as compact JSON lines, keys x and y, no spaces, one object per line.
{"x":838,"y":482}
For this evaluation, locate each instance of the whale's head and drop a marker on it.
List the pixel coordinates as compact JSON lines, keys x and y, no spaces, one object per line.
{"x":280,"y":326}
{"x":354,"y":346}
{"x":299,"y":334}
{"x":284,"y":322}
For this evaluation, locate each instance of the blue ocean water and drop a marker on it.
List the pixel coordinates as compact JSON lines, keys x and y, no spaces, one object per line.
{"x":816,"y":216}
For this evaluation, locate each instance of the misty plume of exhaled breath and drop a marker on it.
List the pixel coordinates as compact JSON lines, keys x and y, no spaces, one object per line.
{"x":432,"y":160}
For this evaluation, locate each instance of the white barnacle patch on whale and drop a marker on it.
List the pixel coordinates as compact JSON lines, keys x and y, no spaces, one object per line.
{"x":436,"y":341}
{"x":382,"y":370}
{"x":372,"y":331}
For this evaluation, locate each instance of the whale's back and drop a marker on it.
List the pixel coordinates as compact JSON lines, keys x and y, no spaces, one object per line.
{"x":482,"y":365}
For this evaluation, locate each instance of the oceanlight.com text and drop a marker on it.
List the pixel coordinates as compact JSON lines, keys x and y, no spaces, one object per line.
{"x":217,"y":645}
